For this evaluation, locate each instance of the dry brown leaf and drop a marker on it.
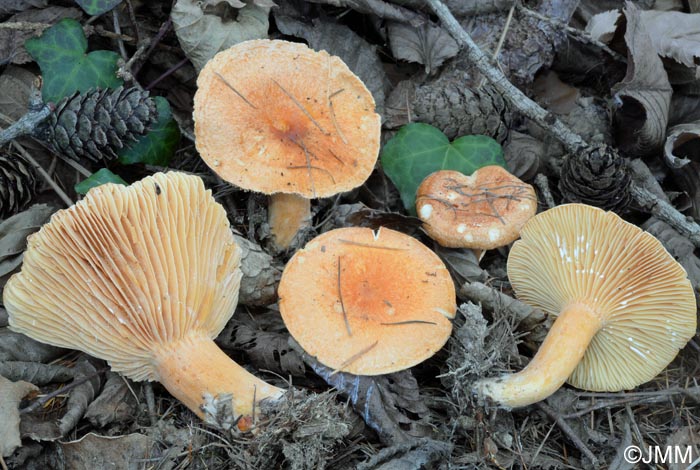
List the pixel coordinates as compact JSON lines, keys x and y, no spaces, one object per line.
{"x":11,"y":393}
{"x":115,"y":404}
{"x":674,"y":35}
{"x":192,"y":22}
{"x":13,"y":237}
{"x":644,"y":96}
{"x":682,"y":145}
{"x":16,"y":85}
{"x":524,"y":155}
{"x":91,"y":451}
{"x":429,"y":45}
{"x":555,"y":95}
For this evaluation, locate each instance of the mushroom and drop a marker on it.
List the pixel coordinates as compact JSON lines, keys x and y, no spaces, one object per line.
{"x":624,"y":306}
{"x":367,"y":302}
{"x":143,"y":277}
{"x":279,"y":118}
{"x":483,"y":211}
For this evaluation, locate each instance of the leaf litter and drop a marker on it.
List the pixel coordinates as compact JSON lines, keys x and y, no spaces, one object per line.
{"x":426,"y":417}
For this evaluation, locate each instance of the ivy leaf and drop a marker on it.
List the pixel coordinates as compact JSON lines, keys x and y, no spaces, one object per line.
{"x":418,"y":150}
{"x":65,"y":66}
{"x":96,"y":179}
{"x":97,"y":7}
{"x":158,"y":146}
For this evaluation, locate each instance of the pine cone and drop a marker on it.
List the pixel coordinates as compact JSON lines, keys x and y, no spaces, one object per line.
{"x":597,"y":176}
{"x":17,"y":184}
{"x":98,"y":123}
{"x":452,"y":106}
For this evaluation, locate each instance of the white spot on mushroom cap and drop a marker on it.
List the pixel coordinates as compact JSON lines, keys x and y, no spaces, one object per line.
{"x":452,"y":196}
{"x":469,"y":237}
{"x":461,"y":228}
{"x":426,"y":211}
{"x":494,"y":234}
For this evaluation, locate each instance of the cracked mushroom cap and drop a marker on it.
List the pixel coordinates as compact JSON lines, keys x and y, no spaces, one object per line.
{"x":278,"y":117}
{"x":576,"y":253}
{"x":483,"y":211}
{"x":129,"y":269}
{"x":367,"y":302}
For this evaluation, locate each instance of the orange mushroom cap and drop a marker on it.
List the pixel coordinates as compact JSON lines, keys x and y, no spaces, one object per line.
{"x":278,"y":117}
{"x":483,"y":211}
{"x":367,"y":302}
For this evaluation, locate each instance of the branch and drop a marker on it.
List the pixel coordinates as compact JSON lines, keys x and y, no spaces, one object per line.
{"x":571,"y":141}
{"x":25,"y":125}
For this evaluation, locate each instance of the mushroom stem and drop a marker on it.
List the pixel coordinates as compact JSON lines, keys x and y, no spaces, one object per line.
{"x":194,"y":370}
{"x":555,"y":361}
{"x":287,"y":214}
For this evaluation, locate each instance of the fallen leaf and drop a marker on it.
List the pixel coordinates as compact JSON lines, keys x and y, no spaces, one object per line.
{"x":192,"y":23}
{"x":682,"y":145}
{"x":13,"y":237}
{"x":418,"y":150}
{"x":98,"y":178}
{"x":390,"y":404}
{"x":97,"y":7}
{"x":66,"y":67}
{"x":674,"y":35}
{"x":11,"y":393}
{"x":18,"y":347}
{"x":685,"y":447}
{"x":41,"y":426}
{"x":524,"y":155}
{"x":12,"y":40}
{"x":339,"y":40}
{"x":428,"y":44}
{"x":115,"y":404}
{"x":553,"y":94}
{"x":14,"y":6}
{"x":35,"y":372}
{"x":413,"y":455}
{"x":644,"y":95}
{"x":16,"y":85}
{"x":91,"y":451}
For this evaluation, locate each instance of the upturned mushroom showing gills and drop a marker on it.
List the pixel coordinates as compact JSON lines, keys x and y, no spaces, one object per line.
{"x":279,"y":118}
{"x":482,"y":211}
{"x":143,"y":277}
{"x":367,"y":302}
{"x":624,"y":306}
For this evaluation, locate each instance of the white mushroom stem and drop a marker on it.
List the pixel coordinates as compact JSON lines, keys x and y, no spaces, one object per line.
{"x":555,"y":361}
{"x":287,"y":214}
{"x":195,"y":370}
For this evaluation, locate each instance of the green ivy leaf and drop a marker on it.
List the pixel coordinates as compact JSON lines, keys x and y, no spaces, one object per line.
{"x":96,"y":179}
{"x":158,"y":146}
{"x":418,"y":150}
{"x":65,"y":66}
{"x":97,"y":7}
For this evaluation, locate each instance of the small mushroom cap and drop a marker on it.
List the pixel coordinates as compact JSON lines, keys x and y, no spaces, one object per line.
{"x":576,"y":253}
{"x":276,"y":116}
{"x":127,"y":270}
{"x":396,"y":295}
{"x":482,"y":211}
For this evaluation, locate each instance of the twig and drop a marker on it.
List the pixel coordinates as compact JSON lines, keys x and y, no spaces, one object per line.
{"x":564,"y":426}
{"x":354,"y":357}
{"x":501,"y":40}
{"x":153,"y":43}
{"x":342,"y":304}
{"x":59,"y":391}
{"x":571,"y":141}
{"x":57,"y":189}
{"x":25,"y":125}
{"x":543,"y":185}
{"x":87,"y":29}
{"x":118,"y":30}
{"x":167,"y":73}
